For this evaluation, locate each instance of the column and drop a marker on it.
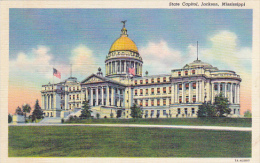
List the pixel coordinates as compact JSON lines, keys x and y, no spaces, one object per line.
{"x":190,"y":92}
{"x":81,"y":96}
{"x":113,"y":96}
{"x":202,"y":91}
{"x":125,"y":67}
{"x":102,"y":95}
{"x":176,"y":93}
{"x":172,"y":94}
{"x":197,"y":91}
{"x":212,"y":92}
{"x":107,"y":98}
{"x":86,"y":95}
{"x":238,"y":94}
{"x":231,"y":93}
{"x":91,"y":97}
{"x":66,"y":101}
{"x":235,"y":94}
{"x":116,"y":67}
{"x":120,"y":67}
{"x":182,"y":100}
{"x":97,"y":96}
{"x":119,"y":98}
{"x":225,"y":89}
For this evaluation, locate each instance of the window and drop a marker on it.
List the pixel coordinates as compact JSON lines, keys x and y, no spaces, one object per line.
{"x":146,"y":102}
{"x":194,"y":99}
{"x":180,"y":86}
{"x":192,"y":110}
{"x":158,"y":102}
{"x":146,"y":91}
{"x":73,"y":97}
{"x":234,"y":111}
{"x":164,"y":89}
{"x":170,"y":101}
{"x":221,"y":89}
{"x":180,"y":99}
{"x":146,"y":81}
{"x":152,"y":102}
{"x":136,"y":92}
{"x":77,"y":105}
{"x":69,"y":89}
{"x":152,"y":80}
{"x":158,"y":112}
{"x":141,"y":92}
{"x":215,"y":87}
{"x":164,"y":112}
{"x":170,"y":89}
{"x":158,"y":80}
{"x":135,"y":101}
{"x":77,"y":97}
{"x":164,"y":102}
{"x":187,"y":86}
{"x":70,"y":97}
{"x":179,"y":73}
{"x":164,"y":79}
{"x":152,"y":91}
{"x":158,"y":90}
{"x":135,"y":82}
{"x":179,"y":111}
{"x":141,"y":81}
{"x":141,"y":102}
{"x":186,"y":72}
{"x":73,"y":88}
{"x":194,"y":85}
{"x":186,"y":111}
{"x":187,"y":99}
{"x":146,"y":112}
{"x":193,"y":72}
{"x":77,"y":87}
{"x":61,"y":88}
{"x":152,"y":112}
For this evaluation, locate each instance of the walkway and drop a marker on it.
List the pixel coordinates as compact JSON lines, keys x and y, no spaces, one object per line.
{"x":220,"y":128}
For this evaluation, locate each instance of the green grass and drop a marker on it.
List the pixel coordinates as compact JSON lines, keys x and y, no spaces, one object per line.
{"x":82,"y":141}
{"x":234,"y":122}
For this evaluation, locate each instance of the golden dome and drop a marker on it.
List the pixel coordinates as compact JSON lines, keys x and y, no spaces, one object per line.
{"x":123,"y":43}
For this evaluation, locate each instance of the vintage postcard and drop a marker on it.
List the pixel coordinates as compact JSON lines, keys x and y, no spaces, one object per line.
{"x":130,"y":81}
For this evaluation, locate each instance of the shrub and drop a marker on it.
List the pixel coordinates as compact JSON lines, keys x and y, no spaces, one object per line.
{"x":10,"y":118}
{"x":62,"y":120}
{"x":98,"y":115}
{"x":157,"y":115}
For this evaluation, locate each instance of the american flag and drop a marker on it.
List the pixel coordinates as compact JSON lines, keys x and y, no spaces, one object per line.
{"x":56,"y":73}
{"x":131,"y":71}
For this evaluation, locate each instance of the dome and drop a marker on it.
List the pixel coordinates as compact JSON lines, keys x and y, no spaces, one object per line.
{"x":123,"y":43}
{"x":199,"y":63}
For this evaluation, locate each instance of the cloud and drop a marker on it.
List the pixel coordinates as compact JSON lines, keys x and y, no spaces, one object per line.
{"x":83,"y":61}
{"x":159,"y":57}
{"x":37,"y":63}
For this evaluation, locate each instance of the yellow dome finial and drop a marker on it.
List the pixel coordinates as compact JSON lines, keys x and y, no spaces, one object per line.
{"x":123,"y":30}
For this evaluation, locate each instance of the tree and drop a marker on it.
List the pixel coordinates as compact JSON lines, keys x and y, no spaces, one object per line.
{"x":85,"y":112}
{"x":26,"y":109}
{"x":219,"y":108}
{"x":222,"y":105}
{"x":136,"y":111}
{"x":18,"y":111}
{"x":37,"y":112}
{"x":207,"y":110}
{"x":10,"y":118}
{"x":248,"y":114}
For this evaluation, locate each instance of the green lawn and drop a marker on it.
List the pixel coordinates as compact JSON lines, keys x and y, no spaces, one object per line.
{"x":82,"y":141}
{"x":234,"y":122}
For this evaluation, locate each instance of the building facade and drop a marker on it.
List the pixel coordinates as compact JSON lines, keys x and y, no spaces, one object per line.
{"x":176,"y":94}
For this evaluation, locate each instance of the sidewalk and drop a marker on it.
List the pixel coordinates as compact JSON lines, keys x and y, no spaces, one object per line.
{"x":220,"y":128}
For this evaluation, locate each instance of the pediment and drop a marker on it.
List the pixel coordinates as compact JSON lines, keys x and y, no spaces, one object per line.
{"x":93,"y":79}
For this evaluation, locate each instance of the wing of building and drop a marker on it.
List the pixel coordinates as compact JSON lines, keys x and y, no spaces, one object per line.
{"x":175,"y":94}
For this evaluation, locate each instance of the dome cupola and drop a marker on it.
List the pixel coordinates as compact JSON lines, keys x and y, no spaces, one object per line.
{"x":123,"y":54}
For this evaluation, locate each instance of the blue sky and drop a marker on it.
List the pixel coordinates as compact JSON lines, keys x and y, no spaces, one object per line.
{"x":172,"y":33}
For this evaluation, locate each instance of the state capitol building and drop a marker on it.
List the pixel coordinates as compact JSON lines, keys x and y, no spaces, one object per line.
{"x":176,"y":94}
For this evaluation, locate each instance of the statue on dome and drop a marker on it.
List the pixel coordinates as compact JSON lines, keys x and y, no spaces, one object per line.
{"x":123,"y":23}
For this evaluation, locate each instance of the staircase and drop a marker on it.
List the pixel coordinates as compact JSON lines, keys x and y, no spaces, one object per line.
{"x":50,"y":120}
